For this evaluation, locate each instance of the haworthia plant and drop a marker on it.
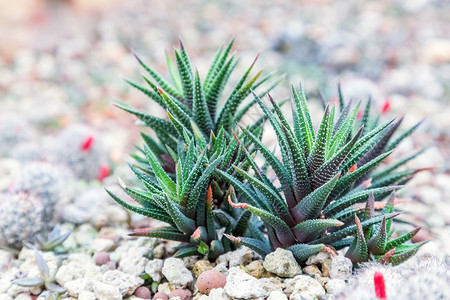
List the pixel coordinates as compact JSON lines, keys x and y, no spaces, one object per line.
{"x":325,"y":175}
{"x":201,"y":178}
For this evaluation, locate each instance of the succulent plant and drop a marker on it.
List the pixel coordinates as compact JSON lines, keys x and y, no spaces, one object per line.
{"x":188,"y":201}
{"x":53,"y":290}
{"x":193,"y":106}
{"x":426,"y":278}
{"x":324,"y":177}
{"x":21,"y":217}
{"x":79,"y":148}
{"x":49,"y":241}
{"x":14,"y":129}
{"x":44,"y":180}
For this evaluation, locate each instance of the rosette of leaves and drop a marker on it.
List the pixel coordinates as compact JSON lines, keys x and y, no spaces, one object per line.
{"x":188,"y":201}
{"x":375,"y":243}
{"x":47,"y":280}
{"x":325,"y":179}
{"x":195,"y":106}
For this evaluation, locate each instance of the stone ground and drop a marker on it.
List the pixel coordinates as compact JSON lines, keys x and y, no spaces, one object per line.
{"x":63,"y":62}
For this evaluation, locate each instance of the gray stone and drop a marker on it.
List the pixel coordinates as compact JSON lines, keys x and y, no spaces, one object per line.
{"x":176,"y":272}
{"x":341,"y":267}
{"x":282,"y":263}
{"x":126,"y":283}
{"x":318,"y":258}
{"x":303,"y":286}
{"x":335,"y":286}
{"x":105,"y":291}
{"x":277,"y":295}
{"x":243,"y":286}
{"x":154,"y":269}
{"x":218,"y":294}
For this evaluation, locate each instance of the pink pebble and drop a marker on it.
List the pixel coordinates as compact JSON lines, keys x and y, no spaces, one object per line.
{"x":143,"y":292}
{"x":209,"y":280}
{"x":161,"y":296}
{"x":102,"y":258}
{"x":183,"y":294}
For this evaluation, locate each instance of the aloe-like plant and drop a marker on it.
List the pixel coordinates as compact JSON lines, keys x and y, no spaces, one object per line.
{"x":176,"y":172}
{"x":186,"y":202}
{"x":325,"y":175}
{"x":52,"y":290}
{"x":194,"y":106}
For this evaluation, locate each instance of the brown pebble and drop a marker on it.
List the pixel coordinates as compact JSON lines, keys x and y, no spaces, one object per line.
{"x":111,"y":265}
{"x":160,"y":296}
{"x":143,"y":292}
{"x":209,"y":280}
{"x":183,"y":294}
{"x":102,"y":258}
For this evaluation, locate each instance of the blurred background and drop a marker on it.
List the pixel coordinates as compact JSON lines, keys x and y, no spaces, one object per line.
{"x":63,"y":62}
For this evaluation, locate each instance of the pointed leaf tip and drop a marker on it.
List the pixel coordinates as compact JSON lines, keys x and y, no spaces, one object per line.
{"x":233,"y":238}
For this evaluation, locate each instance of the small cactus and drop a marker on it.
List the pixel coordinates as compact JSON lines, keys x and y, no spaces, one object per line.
{"x":42,"y":180}
{"x":14,"y":129}
{"x":426,"y":279}
{"x":21,"y":217}
{"x":78,"y":147}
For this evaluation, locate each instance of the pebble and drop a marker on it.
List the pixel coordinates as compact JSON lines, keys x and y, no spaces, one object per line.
{"x":277,"y":295}
{"x":102,"y":258}
{"x":143,"y":292}
{"x":239,"y":257}
{"x":182,"y":294}
{"x":282,"y":263}
{"x":335,"y":286}
{"x":126,"y":283}
{"x":302,"y":286}
{"x":341,"y":267}
{"x":154,"y":269}
{"x":209,"y":280}
{"x":161,"y":296}
{"x":244,"y":286}
{"x":176,"y":272}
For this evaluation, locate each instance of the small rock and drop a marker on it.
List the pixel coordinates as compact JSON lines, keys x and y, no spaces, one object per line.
{"x":176,"y":272}
{"x":272,"y":284}
{"x":154,"y":268}
{"x":282,"y":263}
{"x":244,"y":286}
{"x":322,"y":280}
{"x":222,"y":268}
{"x":239,"y":257}
{"x":341,"y":267}
{"x":318,"y":258}
{"x":312,"y":270}
{"x":126,"y":283}
{"x":201,"y":266}
{"x":23,"y":297}
{"x":161,"y":296}
{"x":277,"y":295}
{"x":303,"y":286}
{"x":326,"y":267}
{"x":101,"y":244}
{"x":111,"y":265}
{"x":143,"y":292}
{"x":159,"y":251}
{"x":256,"y":269}
{"x":183,"y":294}
{"x":335,"y":286}
{"x":102,"y":258}
{"x":217,"y":294}
{"x":209,"y":280}
{"x":166,"y":287}
{"x":105,"y":291}
{"x":85,"y":295}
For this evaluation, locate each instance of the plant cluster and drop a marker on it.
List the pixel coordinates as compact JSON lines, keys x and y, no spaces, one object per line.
{"x":200,"y":174}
